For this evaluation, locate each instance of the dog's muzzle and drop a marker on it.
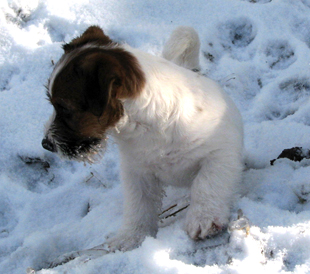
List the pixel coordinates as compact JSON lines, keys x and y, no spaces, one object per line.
{"x":48,"y":145}
{"x":87,"y":150}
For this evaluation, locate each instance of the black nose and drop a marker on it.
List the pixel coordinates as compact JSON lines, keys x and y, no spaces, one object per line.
{"x":48,"y":145}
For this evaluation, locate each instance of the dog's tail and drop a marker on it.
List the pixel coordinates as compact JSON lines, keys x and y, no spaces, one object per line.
{"x":182,"y":48}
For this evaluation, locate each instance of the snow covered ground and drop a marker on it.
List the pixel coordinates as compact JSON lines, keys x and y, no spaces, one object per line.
{"x":259,"y":50}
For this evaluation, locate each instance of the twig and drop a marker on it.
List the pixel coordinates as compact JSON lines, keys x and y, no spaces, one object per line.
{"x":167,"y":209}
{"x":173,"y":214}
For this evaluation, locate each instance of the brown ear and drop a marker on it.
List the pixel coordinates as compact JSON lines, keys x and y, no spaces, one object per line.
{"x":111,"y":75}
{"x":102,"y":84}
{"x":93,"y":34}
{"x":98,"y":98}
{"x":130,"y":75}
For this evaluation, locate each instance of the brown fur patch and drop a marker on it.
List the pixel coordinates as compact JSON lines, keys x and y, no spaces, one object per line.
{"x":93,"y":34}
{"x":97,"y":77}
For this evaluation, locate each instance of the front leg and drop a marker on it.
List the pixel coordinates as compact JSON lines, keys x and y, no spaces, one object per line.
{"x":142,"y":201}
{"x":212,"y":194}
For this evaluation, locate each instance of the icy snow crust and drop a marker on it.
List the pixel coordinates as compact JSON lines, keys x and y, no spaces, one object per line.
{"x":259,"y":51}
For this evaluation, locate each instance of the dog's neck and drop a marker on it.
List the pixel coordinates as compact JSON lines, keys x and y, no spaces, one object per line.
{"x":156,"y":109}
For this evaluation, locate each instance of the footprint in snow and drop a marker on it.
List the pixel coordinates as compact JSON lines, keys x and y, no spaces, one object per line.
{"x":280,"y":55}
{"x":289,"y":96}
{"x":232,"y":36}
{"x":237,"y":33}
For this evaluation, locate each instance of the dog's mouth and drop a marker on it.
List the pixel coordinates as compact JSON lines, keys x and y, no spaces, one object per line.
{"x":89,"y":150}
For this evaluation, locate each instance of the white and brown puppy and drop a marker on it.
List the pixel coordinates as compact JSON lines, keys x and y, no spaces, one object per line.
{"x":172,"y":126}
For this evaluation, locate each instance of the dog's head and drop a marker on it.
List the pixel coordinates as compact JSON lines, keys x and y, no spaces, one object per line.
{"x":86,"y":89}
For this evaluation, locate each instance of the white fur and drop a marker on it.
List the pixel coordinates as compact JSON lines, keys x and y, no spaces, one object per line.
{"x":183,"y":130}
{"x":182,"y":48}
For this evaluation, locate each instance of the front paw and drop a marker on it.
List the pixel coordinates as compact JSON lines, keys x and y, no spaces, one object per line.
{"x":200,"y":225}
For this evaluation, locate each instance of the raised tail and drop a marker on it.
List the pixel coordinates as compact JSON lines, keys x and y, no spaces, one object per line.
{"x":182,"y":48}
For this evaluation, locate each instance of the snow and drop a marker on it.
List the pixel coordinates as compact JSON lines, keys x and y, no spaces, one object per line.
{"x":258,"y":50}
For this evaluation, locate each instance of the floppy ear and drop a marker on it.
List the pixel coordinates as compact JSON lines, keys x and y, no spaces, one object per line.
{"x":96,"y":99}
{"x":93,"y":34}
{"x":110,"y":75}
{"x":100,"y":91}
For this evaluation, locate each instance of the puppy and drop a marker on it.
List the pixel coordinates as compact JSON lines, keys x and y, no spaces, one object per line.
{"x":172,"y":126}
